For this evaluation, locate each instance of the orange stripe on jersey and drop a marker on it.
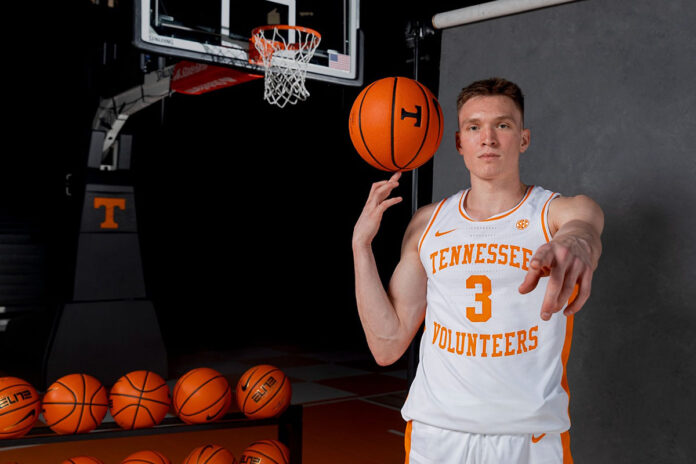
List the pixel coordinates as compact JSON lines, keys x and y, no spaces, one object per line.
{"x":407,"y":441}
{"x":565,"y":354}
{"x":543,"y":217}
{"x":565,"y":441}
{"x":432,"y":220}
{"x":463,"y":213}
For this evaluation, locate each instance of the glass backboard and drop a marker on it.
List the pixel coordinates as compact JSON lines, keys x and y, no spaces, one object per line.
{"x":218,"y":31}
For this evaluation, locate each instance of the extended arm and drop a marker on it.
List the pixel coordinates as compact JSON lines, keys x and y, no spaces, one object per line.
{"x":390,"y":318}
{"x":570,"y":258}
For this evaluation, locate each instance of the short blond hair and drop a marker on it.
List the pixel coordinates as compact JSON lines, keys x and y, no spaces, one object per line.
{"x":490,"y":87}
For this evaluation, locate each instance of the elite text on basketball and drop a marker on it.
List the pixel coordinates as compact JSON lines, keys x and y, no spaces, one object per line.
{"x":12,"y":399}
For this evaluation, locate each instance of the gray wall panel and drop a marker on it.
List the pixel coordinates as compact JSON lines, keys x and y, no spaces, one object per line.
{"x":611,"y":104}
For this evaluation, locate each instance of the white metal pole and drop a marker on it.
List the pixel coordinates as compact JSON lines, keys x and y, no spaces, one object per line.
{"x":489,"y":10}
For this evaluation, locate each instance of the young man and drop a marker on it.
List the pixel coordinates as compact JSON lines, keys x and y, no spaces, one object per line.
{"x":491,"y":270}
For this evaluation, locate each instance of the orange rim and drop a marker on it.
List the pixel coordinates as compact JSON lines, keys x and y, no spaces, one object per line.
{"x":285,"y":27}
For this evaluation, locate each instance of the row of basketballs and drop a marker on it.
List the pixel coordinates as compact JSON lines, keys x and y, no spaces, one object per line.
{"x":77,"y":403}
{"x":258,"y":452}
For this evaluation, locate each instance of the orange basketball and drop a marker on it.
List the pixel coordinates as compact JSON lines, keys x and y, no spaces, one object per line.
{"x":20,"y":405}
{"x":210,"y":454}
{"x":82,"y":460}
{"x":75,"y":403}
{"x":139,"y":399}
{"x":396,"y":124}
{"x":266,"y":452}
{"x":263,"y":391}
{"x":146,"y":457}
{"x":201,"y":395}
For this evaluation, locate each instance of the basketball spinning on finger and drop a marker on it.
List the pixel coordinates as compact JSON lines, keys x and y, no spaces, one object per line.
{"x":396,"y":124}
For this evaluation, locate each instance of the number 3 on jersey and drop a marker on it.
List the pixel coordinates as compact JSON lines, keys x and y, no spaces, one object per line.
{"x":482,"y":297}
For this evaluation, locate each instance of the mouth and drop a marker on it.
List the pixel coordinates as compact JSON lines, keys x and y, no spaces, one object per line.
{"x":488,"y":156}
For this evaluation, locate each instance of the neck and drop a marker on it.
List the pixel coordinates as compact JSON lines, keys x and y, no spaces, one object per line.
{"x":488,"y":198}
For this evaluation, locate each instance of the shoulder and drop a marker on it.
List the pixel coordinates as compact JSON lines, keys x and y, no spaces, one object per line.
{"x":581,"y":207}
{"x":418,"y":224}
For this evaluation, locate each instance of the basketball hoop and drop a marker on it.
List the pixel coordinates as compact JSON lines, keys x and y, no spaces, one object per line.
{"x":284,"y":51}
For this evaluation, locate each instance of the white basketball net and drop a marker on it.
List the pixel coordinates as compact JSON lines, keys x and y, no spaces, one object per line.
{"x":285,"y":52}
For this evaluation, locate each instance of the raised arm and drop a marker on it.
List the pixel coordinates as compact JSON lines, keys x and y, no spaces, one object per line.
{"x":390,"y":318}
{"x":570,"y":258}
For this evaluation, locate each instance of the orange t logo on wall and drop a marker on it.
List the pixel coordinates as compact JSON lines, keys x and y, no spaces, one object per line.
{"x":109,"y":205}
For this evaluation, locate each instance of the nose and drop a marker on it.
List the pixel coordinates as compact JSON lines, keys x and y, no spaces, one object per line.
{"x":488,"y":136}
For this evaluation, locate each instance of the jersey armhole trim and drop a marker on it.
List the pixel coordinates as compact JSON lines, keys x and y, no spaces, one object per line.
{"x":430,"y":223}
{"x":545,"y":217}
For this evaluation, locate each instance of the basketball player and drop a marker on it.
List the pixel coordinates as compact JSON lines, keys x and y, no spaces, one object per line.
{"x":491,"y":271}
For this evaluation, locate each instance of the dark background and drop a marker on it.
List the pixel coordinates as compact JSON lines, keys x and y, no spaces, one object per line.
{"x":245,"y":211}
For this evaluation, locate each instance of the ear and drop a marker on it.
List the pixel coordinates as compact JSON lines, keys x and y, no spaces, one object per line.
{"x":457,"y":142}
{"x":524,"y":143}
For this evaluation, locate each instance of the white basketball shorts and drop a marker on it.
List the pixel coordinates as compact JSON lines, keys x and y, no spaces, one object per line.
{"x":426,"y":444}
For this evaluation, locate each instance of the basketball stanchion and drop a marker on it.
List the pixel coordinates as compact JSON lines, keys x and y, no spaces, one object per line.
{"x":284,"y":51}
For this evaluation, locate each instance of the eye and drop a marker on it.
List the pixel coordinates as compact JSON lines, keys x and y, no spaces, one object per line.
{"x":504,"y":125}
{"x":472,"y":128}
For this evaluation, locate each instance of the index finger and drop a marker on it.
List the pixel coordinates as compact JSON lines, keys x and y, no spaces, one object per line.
{"x":540,"y":266}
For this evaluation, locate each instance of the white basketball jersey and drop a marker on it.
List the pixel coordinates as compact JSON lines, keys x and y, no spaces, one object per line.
{"x":488,"y":363}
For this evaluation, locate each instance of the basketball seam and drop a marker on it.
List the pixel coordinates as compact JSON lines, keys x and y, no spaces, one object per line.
{"x":177,"y":387}
{"x":200,"y":455}
{"x":137,"y":406}
{"x":211,"y":404}
{"x":196,"y":390}
{"x":427,"y":124}
{"x":362,"y":135}
{"x":16,"y":385}
{"x":74,"y":404}
{"x":212,"y":455}
{"x":282,"y":451}
{"x":96,"y":422}
{"x":396,"y":80}
{"x":144,"y":383}
{"x":126,"y":395}
{"x":84,"y":394}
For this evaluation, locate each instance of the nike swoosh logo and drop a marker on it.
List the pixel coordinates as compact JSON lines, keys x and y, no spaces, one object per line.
{"x":213,"y":416}
{"x":538,"y":439}
{"x":29,"y":414}
{"x":440,"y":234}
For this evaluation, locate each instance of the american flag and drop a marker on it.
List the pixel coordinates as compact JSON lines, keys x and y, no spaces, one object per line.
{"x":339,"y":61}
